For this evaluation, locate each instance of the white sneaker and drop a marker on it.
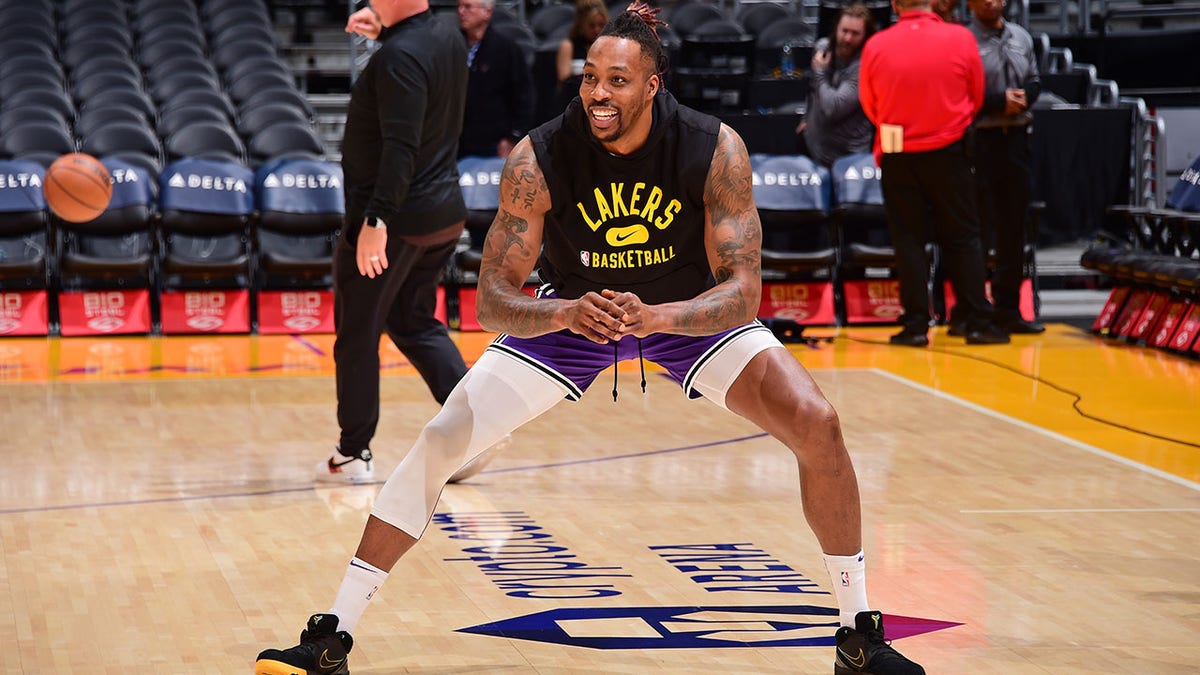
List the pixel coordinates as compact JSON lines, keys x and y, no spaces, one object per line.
{"x":482,"y":460}
{"x":342,"y":469}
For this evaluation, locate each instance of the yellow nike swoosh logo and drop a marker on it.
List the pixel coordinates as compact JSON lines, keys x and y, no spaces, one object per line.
{"x":859,"y":662}
{"x":326,"y":662}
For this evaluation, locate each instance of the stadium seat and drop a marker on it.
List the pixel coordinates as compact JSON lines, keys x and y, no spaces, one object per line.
{"x":183,"y":63}
{"x":550,"y":18}
{"x":44,"y":97}
{"x":869,"y":288}
{"x":37,"y":135}
{"x":687,"y":17}
{"x":122,"y":97}
{"x":279,"y":95}
{"x":799,"y":252}
{"x":252,"y":83}
{"x":207,"y":268}
{"x":91,"y":119}
{"x":256,"y":64}
{"x":106,"y":267}
{"x":210,"y":140}
{"x":117,"y":137}
{"x":171,"y":121}
{"x":32,"y":60}
{"x":17,"y":82}
{"x":168,"y":88}
{"x":300,"y":204}
{"x":12,"y":118}
{"x":200,"y":97}
{"x":149,"y":54}
{"x":255,"y":120}
{"x":479,"y":180}
{"x":24,"y":249}
{"x":107,"y":32}
{"x":285,"y":140}
{"x":105,"y":64}
{"x":753,"y":18}
{"x":86,"y":88}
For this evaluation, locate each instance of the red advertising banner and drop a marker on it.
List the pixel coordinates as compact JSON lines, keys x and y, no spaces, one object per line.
{"x":1149,"y":317}
{"x":872,"y":301}
{"x":111,"y":312}
{"x":290,"y":312}
{"x":1185,"y":335}
{"x":1129,"y":314}
{"x":808,"y":303}
{"x":226,"y":311}
{"x":1108,"y":316}
{"x":24,"y":313}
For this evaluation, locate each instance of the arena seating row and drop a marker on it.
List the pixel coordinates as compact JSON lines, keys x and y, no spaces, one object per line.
{"x":151,"y":80}
{"x":827,"y":256}
{"x":1155,"y":272}
{"x":191,"y":249}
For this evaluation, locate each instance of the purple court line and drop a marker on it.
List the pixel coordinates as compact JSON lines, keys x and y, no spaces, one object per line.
{"x":280,"y":491}
{"x":309,"y":345}
{"x":633,"y":455}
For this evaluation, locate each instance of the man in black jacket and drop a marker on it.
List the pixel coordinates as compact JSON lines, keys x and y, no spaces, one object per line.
{"x":499,"y":109}
{"x":404,"y":216}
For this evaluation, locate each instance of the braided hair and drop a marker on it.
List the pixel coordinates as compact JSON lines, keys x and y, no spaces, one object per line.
{"x":639,"y":22}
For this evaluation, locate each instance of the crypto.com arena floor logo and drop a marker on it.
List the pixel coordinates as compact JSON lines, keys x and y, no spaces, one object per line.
{"x":690,"y":627}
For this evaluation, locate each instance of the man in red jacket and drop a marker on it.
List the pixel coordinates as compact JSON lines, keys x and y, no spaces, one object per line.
{"x":921,"y":84}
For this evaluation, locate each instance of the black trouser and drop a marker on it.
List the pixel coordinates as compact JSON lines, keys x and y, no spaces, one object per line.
{"x":401,"y":301}
{"x":1002,"y":180}
{"x":939,"y":180}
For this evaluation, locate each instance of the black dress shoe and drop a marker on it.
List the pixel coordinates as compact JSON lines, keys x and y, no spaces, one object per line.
{"x":907,"y":338}
{"x":991,"y":335}
{"x":1022,"y":327}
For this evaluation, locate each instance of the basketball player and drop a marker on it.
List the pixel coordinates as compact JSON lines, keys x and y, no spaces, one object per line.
{"x":649,"y":242}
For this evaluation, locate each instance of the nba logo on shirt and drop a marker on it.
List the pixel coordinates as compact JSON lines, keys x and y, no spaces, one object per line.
{"x":845,"y":578}
{"x":585,"y":257}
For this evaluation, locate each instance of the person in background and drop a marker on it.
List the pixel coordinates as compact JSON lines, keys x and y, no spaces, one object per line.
{"x":500,"y":88}
{"x":921,"y":83}
{"x":834,"y":124}
{"x":1002,"y":153}
{"x":590,"y":17}
{"x":404,"y":216}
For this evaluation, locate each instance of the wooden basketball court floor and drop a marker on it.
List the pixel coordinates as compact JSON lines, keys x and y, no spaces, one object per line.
{"x":1028,"y":508}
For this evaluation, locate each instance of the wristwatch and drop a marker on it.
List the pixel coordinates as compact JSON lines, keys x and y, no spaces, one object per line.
{"x":374,"y":222}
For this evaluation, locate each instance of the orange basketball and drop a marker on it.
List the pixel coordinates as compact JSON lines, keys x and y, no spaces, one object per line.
{"x":77,"y":187}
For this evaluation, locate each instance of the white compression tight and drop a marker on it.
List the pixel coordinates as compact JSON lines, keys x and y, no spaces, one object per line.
{"x":497,"y":395}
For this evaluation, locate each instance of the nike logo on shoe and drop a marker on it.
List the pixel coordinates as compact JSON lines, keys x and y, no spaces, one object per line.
{"x":327,"y":663}
{"x":334,"y":466}
{"x":858,"y":662}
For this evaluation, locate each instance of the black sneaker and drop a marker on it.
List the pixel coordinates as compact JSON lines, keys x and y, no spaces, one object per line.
{"x":322,"y":651}
{"x":909,"y":338}
{"x":865,"y":651}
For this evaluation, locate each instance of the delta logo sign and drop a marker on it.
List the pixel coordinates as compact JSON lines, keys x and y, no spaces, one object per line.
{"x":523,"y":560}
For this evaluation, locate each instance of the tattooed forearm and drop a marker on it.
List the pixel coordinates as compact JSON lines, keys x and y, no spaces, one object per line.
{"x":734,"y":240}
{"x":511,"y":249}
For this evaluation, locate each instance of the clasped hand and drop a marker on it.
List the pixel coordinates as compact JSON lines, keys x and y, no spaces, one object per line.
{"x":609,"y":315}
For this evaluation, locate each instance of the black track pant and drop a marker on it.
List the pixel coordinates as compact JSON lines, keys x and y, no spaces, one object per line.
{"x":401,"y":301}
{"x":939,"y":180}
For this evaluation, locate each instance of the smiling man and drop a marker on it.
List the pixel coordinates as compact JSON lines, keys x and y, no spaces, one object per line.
{"x":638,"y":214}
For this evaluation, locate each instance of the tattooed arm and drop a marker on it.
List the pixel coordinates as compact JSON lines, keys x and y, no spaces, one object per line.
{"x":733,"y":238}
{"x":510,"y":252}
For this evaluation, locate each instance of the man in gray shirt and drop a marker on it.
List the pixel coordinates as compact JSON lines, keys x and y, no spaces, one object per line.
{"x":834,"y":124}
{"x":1002,"y":153}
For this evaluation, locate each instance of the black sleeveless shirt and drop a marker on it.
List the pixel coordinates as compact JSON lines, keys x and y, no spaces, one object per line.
{"x":627,"y":223}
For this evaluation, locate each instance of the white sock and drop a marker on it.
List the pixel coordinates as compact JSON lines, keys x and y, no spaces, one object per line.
{"x":849,"y":576}
{"x":358,"y":587}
